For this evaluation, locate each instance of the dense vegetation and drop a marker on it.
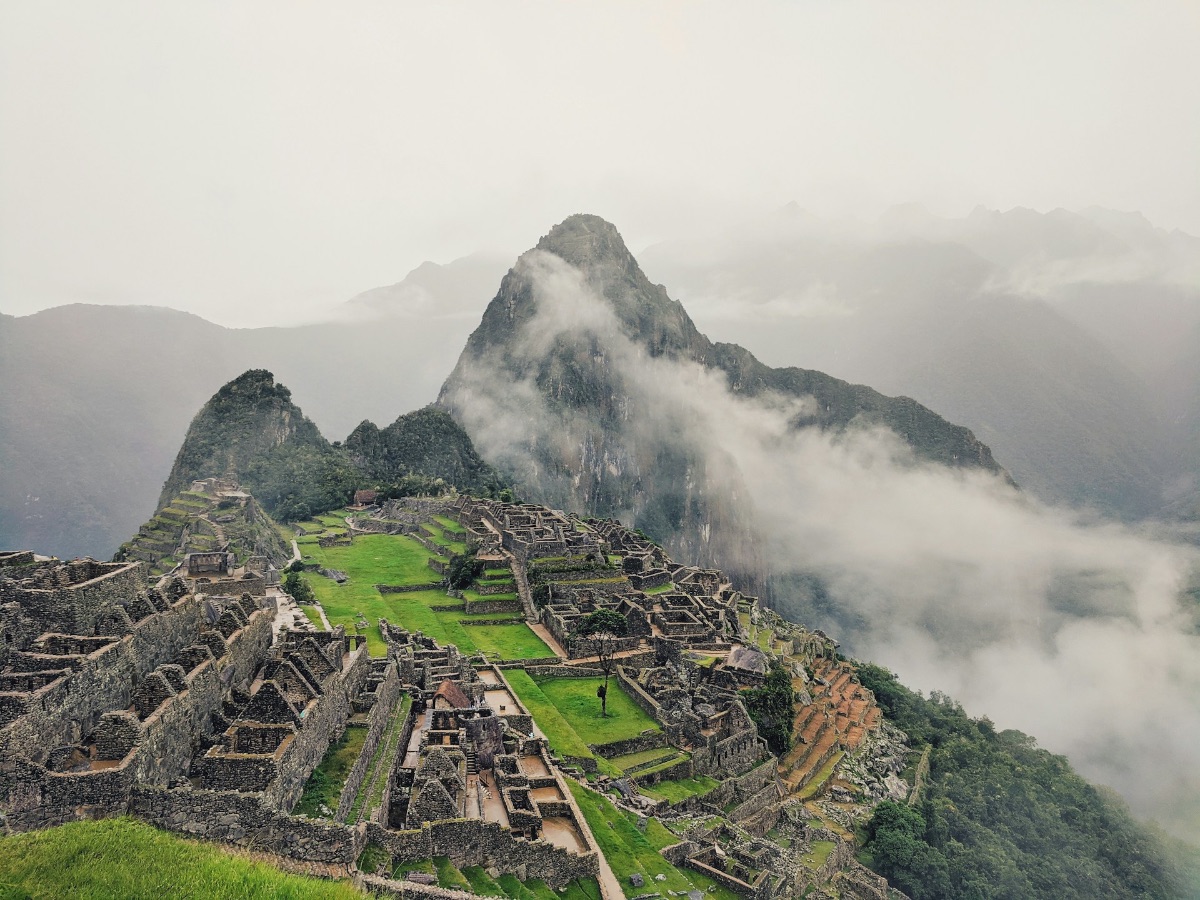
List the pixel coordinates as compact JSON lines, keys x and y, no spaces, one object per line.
{"x":1000,"y":818}
{"x":770,"y":706}
{"x":251,"y":428}
{"x":426,"y":443}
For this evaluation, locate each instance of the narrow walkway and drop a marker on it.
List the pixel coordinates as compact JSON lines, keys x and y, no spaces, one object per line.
{"x":548,"y":639}
{"x":295,"y":551}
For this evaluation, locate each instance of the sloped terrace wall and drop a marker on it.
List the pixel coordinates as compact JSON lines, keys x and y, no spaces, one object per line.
{"x":471,"y":842}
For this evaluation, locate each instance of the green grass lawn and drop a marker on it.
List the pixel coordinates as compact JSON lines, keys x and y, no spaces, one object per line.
{"x":629,"y":760}
{"x":400,"y":560}
{"x":678,"y":789}
{"x":448,"y":875}
{"x":451,"y":527}
{"x":120,"y":859}
{"x":557,"y":729}
{"x":576,"y":701}
{"x":628,"y":850}
{"x":370,"y":560}
{"x":325,"y":784}
{"x":661,"y":589}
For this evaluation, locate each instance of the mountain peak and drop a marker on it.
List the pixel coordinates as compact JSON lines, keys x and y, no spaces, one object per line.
{"x":584,"y":239}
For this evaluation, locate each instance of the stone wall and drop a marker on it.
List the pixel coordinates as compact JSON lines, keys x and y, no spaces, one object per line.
{"x":408,"y":588}
{"x":381,"y":714}
{"x":471,"y":842}
{"x":77,"y":593}
{"x":105,"y":680}
{"x":647,"y":740}
{"x":173,"y":733}
{"x":326,"y":720}
{"x":562,"y":671}
{"x":493,"y":606}
{"x":246,"y":820}
{"x":254,"y":585}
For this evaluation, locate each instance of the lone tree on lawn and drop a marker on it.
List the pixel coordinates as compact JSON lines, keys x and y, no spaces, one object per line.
{"x":600,"y":633}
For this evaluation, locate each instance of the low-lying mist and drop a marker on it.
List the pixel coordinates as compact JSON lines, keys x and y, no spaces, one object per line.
{"x":1078,"y":631}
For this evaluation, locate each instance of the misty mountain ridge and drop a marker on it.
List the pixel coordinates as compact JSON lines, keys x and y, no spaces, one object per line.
{"x":863,"y":303}
{"x":1058,"y":338}
{"x":576,"y":345}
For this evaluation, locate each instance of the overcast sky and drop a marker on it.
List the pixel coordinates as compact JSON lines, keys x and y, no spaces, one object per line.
{"x":253,"y":162}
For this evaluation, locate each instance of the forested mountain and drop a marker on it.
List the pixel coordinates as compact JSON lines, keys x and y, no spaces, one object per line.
{"x":252,"y":430}
{"x":426,"y":442}
{"x":999,"y":817}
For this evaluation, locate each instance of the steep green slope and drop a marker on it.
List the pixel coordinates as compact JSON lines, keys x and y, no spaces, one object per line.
{"x":999,"y":817}
{"x":121,"y":858}
{"x":426,"y":442}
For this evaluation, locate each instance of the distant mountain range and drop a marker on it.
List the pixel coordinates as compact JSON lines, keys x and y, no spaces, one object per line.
{"x":97,"y":399}
{"x":1068,"y":343}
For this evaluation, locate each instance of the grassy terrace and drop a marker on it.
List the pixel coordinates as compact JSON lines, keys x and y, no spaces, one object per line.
{"x":629,"y":850}
{"x":451,"y":542}
{"x":451,"y":527}
{"x":127,"y":859}
{"x":475,"y":879}
{"x":400,"y":560}
{"x":576,"y":700}
{"x":661,"y":589}
{"x":370,"y":792}
{"x":678,"y":789}
{"x":568,"y":712}
{"x":629,"y":760}
{"x":325,"y":784}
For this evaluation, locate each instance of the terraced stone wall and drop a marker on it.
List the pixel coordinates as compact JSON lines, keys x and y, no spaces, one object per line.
{"x":471,"y":842}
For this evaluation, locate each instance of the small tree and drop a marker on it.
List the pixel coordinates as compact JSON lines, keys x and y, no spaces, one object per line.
{"x":600,"y":633}
{"x":297,"y":587}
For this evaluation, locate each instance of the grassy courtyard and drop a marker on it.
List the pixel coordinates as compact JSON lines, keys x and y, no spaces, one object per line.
{"x":400,"y":560}
{"x":576,"y":700}
{"x":567,"y":711}
{"x":127,"y":859}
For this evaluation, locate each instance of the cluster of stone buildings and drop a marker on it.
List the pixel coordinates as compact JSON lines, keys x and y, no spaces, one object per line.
{"x":175,"y":699}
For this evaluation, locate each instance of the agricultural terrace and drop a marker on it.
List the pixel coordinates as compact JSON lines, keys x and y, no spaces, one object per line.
{"x":400,"y":560}
{"x":628,"y":849}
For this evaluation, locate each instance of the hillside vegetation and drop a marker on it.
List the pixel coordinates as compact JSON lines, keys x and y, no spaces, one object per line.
{"x":252,"y":429}
{"x":998,"y":817}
